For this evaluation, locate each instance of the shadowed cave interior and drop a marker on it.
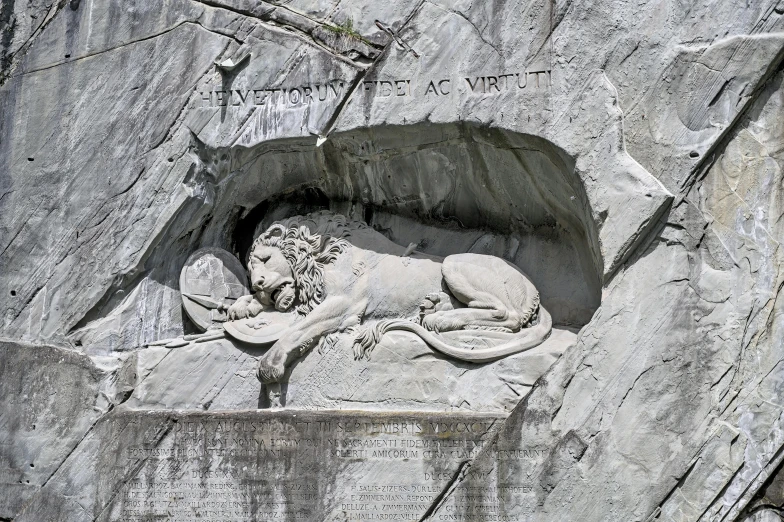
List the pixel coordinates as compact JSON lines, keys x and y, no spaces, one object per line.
{"x":446,"y":188}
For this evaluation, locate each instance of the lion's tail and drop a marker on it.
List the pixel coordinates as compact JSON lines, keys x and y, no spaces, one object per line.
{"x":525,"y":339}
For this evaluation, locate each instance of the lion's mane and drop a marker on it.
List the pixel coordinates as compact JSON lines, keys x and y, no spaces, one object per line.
{"x":307,"y":252}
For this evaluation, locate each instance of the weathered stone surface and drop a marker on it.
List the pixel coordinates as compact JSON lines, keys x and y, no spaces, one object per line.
{"x":676,"y":422}
{"x":51,"y":399}
{"x":403,"y":374}
{"x":263,"y":465}
{"x":627,"y":157}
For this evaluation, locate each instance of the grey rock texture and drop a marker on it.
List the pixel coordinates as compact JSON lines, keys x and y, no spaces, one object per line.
{"x":681,"y":423}
{"x":40,"y":425}
{"x":627,"y":156}
{"x":260,"y":465}
{"x":403,"y":374}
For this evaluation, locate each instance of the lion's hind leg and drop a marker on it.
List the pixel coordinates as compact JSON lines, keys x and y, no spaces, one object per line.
{"x":472,"y":318}
{"x":471,"y":278}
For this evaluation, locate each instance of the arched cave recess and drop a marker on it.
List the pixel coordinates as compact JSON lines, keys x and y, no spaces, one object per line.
{"x":446,"y":188}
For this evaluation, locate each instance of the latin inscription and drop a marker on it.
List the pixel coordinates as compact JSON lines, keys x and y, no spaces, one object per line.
{"x":502,"y":83}
{"x":310,"y":467}
{"x":335,"y":89}
{"x":273,"y":96}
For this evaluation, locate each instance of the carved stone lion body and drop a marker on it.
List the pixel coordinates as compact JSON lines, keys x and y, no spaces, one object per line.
{"x":339,"y":274}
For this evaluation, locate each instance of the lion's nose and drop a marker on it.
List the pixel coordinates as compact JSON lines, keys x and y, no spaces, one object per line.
{"x":258,"y":284}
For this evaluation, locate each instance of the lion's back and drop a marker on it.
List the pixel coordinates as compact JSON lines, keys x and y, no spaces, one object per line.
{"x":479,"y":273}
{"x":394,"y":285}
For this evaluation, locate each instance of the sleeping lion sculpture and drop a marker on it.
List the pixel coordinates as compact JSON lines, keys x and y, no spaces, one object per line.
{"x":340,"y":275}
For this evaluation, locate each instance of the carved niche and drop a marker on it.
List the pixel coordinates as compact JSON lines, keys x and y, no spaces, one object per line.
{"x":317,"y":277}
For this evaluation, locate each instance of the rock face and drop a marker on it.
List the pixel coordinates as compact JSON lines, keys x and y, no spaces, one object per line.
{"x":415,"y":260}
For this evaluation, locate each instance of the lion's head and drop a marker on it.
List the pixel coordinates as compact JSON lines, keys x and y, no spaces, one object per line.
{"x":286,"y":262}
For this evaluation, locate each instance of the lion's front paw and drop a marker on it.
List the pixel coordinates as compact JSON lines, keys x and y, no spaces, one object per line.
{"x":269,"y":372}
{"x":241,"y":309}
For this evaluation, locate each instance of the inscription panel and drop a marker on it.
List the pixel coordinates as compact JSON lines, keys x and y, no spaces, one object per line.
{"x":333,"y":90}
{"x":306,"y":466}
